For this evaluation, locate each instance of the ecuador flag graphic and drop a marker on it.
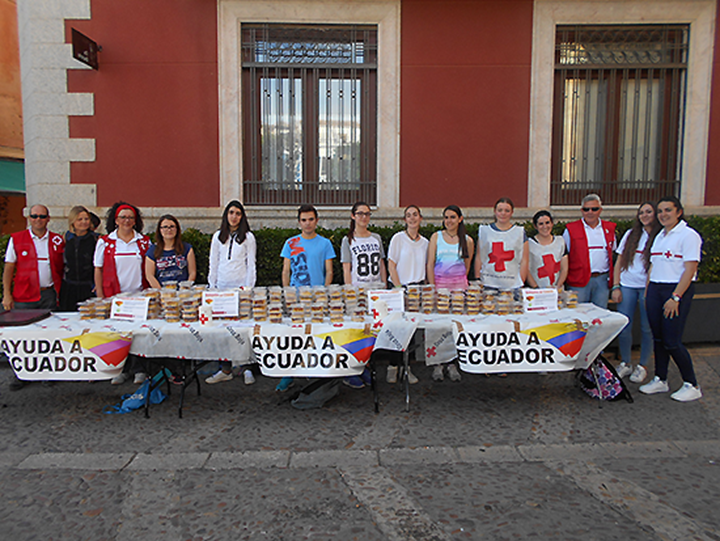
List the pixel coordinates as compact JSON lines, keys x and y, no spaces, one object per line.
{"x":567,"y":337}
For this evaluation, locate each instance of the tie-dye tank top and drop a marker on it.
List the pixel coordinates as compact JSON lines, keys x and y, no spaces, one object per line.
{"x":450,"y":270}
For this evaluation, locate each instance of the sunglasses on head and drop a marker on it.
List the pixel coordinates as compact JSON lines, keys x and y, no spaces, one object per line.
{"x":41,"y":216}
{"x":588,"y":209}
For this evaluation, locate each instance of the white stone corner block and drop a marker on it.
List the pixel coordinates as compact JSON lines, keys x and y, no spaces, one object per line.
{"x":69,"y":196}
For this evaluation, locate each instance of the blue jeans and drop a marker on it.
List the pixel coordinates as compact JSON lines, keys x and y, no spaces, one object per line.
{"x":667,"y":332}
{"x":631,"y":298}
{"x":596,"y":291}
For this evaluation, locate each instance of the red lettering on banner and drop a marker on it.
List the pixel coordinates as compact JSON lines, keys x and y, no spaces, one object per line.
{"x":499,"y":256}
{"x":550,"y":268}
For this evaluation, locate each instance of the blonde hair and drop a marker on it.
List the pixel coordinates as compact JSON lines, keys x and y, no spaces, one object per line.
{"x":73,"y":215}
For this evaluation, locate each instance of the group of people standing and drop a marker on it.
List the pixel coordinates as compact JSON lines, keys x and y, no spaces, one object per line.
{"x":656,"y":265}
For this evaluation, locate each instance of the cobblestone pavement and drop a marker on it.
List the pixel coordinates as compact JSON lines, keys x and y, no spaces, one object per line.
{"x":486,"y":458}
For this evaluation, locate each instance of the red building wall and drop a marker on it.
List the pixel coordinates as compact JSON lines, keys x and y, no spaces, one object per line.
{"x":156,"y":103}
{"x":465,"y":101}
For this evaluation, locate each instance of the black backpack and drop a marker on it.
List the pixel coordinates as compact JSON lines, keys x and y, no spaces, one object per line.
{"x":600,"y":380}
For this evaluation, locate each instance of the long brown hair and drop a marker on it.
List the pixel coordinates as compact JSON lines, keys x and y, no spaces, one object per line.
{"x":160,"y":241}
{"x":462,"y":232}
{"x":355,"y":207}
{"x":628,"y":253}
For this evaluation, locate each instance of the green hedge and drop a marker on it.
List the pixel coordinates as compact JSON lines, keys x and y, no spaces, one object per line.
{"x":270,"y":243}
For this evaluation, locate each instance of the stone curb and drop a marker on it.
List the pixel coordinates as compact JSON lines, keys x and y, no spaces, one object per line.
{"x":340,"y":458}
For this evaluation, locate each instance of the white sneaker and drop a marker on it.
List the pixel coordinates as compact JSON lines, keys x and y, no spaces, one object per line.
{"x":121,"y":378}
{"x":623,"y":370}
{"x":453,"y":372}
{"x":687,"y":393}
{"x":656,"y":385}
{"x":411,"y":377}
{"x":248,"y":377}
{"x":219,"y":376}
{"x":139,"y":378}
{"x":438,"y":373}
{"x":392,"y":372}
{"x":639,"y":374}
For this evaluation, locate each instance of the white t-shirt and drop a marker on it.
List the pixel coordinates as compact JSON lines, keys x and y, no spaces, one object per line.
{"x":43,"y":257}
{"x":364,"y":255}
{"x":410,"y":256}
{"x":635,"y":275}
{"x":128,"y":261}
{"x":671,"y":250}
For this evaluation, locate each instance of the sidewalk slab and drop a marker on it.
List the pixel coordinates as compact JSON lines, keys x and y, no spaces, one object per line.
{"x":169,"y":461}
{"x":333,"y":458}
{"x":248,"y":460}
{"x":561,"y":451}
{"x":495,"y":453}
{"x":643,"y":449}
{"x":76,"y":461}
{"x":421,"y":455}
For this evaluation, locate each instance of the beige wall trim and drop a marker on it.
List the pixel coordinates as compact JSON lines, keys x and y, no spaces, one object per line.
{"x":47,"y":105}
{"x":700,"y":14}
{"x":384,"y":13}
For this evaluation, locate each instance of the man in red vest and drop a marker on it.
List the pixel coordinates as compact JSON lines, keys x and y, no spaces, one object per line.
{"x":34,"y":258}
{"x":590,"y":243}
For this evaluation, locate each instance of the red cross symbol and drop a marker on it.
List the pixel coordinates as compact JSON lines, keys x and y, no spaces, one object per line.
{"x":431,"y":352}
{"x":597,"y":321}
{"x":377,"y":324}
{"x":499,"y":256}
{"x":668,"y":254}
{"x":375,"y":313}
{"x":549,"y":269}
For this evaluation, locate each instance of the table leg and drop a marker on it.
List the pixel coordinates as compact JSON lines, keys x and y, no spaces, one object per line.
{"x":406,"y":367}
{"x":373,"y":384}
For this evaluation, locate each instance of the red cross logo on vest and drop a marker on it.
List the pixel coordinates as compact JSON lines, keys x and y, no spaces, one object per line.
{"x":499,"y":256}
{"x":668,"y":254}
{"x":549,"y":269}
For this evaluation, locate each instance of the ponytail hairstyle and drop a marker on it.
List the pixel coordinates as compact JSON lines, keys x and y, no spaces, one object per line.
{"x":628,"y":253}
{"x":355,"y":207}
{"x":462,"y":232}
{"x":243,"y":226}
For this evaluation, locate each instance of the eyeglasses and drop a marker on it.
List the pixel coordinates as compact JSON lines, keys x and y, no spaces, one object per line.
{"x":590,"y":209}
{"x":36,"y":216}
{"x":363,"y":214}
{"x":167,"y":227}
{"x":126,"y":218}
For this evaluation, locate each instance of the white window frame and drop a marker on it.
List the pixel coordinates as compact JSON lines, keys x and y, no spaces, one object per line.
{"x":383,"y":13}
{"x":699,"y":14}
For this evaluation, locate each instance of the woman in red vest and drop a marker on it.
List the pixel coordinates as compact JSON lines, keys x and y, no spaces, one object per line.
{"x":120,"y":264}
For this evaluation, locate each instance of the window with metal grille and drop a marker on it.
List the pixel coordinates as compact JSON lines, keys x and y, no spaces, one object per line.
{"x":619,"y":103}
{"x":309,"y":100}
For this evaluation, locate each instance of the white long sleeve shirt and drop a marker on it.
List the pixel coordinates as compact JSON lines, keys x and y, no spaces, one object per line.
{"x":232,"y":264}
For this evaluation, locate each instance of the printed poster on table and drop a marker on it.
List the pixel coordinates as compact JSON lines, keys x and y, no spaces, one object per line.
{"x":66,"y":355}
{"x":223,"y":303}
{"x":540,"y":301}
{"x":130,"y":308}
{"x":512,"y":347}
{"x":322,"y":351}
{"x":382,"y":302}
